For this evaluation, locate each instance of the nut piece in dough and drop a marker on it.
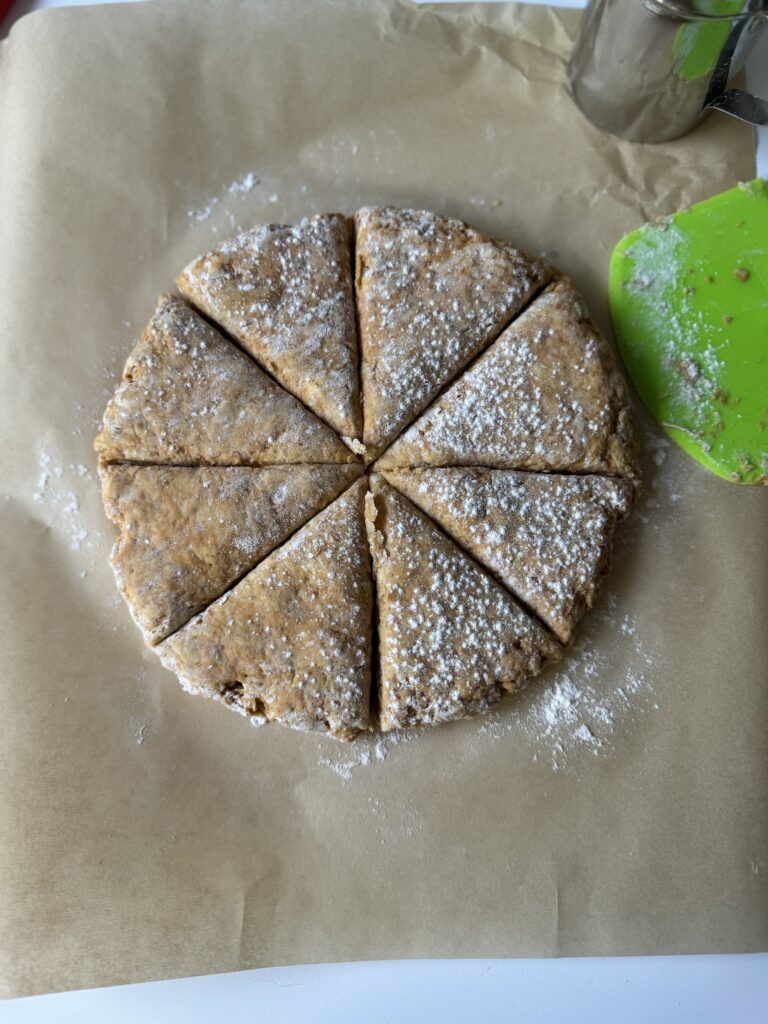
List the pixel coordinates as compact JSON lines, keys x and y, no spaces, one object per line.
{"x":292,"y":641}
{"x":547,"y":537}
{"x":188,"y":396}
{"x":545,"y":396}
{"x":285,"y":293}
{"x":452,"y":642}
{"x":189,"y":533}
{"x":432,"y":292}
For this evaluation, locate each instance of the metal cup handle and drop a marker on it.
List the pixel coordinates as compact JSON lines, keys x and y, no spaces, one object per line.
{"x":737,"y":102}
{"x":743,"y":105}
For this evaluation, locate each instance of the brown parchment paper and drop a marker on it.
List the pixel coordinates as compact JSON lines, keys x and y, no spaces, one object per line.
{"x":147,"y":834}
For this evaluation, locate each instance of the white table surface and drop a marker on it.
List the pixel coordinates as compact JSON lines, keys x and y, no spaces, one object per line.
{"x":620,"y":990}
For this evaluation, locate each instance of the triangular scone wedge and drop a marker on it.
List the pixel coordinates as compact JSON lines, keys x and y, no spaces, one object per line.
{"x":546,"y":536}
{"x":187,"y":534}
{"x":432,"y":293}
{"x":292,"y":641}
{"x":188,"y":396}
{"x":452,"y":641}
{"x":285,"y":292}
{"x":545,"y":396}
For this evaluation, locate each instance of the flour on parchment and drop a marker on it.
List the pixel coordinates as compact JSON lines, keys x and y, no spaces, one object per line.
{"x":59,"y":491}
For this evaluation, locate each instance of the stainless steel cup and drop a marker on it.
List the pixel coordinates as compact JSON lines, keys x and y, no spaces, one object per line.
{"x":649,"y":70}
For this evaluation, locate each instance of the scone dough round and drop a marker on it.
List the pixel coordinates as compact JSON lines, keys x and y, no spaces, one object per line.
{"x":390,"y":433}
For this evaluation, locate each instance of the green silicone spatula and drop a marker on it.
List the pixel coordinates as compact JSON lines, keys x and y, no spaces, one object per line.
{"x":689,"y":303}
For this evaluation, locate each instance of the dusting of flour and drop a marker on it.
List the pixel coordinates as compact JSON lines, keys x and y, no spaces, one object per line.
{"x":584,"y":707}
{"x":364,"y":752}
{"x":219,"y":211}
{"x":577,"y":710}
{"x":58,"y":492}
{"x":581,"y":708}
